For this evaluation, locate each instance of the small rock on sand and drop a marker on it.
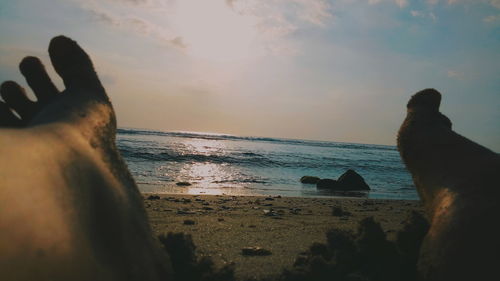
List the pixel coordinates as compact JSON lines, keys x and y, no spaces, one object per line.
{"x":189,"y":222}
{"x":255,"y":251}
{"x":183,"y":183}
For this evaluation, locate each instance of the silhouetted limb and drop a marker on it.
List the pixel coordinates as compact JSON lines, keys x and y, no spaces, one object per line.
{"x":69,"y":208}
{"x":457,"y":180}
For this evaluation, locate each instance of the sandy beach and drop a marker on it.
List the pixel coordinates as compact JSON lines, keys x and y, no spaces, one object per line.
{"x":221,"y":226}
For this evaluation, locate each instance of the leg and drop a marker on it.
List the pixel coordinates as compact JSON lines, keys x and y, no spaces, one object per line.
{"x":69,"y":208}
{"x":457,"y":183}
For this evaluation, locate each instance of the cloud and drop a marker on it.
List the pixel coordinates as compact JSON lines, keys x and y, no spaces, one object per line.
{"x":417,"y":14}
{"x":230,"y":3}
{"x":495,"y":3}
{"x":455,"y":74}
{"x":314,"y":11}
{"x":178,"y":41}
{"x":135,"y":24}
{"x":492,"y":19}
{"x":400,"y":3}
{"x":422,"y":14}
{"x":133,"y":2}
{"x":102,"y":16}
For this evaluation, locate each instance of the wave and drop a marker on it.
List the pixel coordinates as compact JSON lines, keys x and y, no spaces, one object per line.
{"x":125,"y":131}
{"x":170,"y":156}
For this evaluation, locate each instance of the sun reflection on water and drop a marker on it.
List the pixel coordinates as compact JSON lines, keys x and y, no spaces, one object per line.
{"x":203,"y":147}
{"x":206,"y":177}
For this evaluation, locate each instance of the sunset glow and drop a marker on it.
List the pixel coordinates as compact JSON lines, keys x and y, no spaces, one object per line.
{"x":308,"y":69}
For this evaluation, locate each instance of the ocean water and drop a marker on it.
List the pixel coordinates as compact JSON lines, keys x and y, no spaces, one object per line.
{"x":232,"y":165}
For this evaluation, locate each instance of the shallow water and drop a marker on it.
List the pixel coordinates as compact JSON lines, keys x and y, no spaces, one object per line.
{"x":224,"y":164}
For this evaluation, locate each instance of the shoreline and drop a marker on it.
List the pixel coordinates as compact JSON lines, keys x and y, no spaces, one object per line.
{"x":195,"y":190}
{"x":222,"y":225}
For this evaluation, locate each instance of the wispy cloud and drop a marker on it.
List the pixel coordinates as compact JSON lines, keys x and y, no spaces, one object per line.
{"x":492,"y":19}
{"x":455,"y":74}
{"x":400,"y":3}
{"x":494,"y":3}
{"x":314,"y":11}
{"x":278,"y":13}
{"x":135,"y":24}
{"x":273,"y":20}
{"x":417,"y":14}
{"x":424,"y":15}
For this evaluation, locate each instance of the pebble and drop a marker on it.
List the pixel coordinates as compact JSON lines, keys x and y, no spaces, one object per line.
{"x":271,"y":213}
{"x":189,"y":222}
{"x":255,"y":251}
{"x":153,"y":197}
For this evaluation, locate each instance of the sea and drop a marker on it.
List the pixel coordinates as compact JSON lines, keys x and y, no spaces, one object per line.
{"x":222,"y":164}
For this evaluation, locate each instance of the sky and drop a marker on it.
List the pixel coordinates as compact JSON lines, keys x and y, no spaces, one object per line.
{"x":339,"y":70}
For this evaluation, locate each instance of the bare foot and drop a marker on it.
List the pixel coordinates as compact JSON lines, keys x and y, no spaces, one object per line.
{"x":457,"y":181}
{"x":69,"y":208}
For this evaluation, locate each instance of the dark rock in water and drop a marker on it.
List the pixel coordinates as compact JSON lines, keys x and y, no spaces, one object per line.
{"x":327,"y":183}
{"x":350,"y":180}
{"x":255,"y":251}
{"x":183,"y":183}
{"x":309,"y":179}
{"x":153,"y":197}
{"x":189,"y":222}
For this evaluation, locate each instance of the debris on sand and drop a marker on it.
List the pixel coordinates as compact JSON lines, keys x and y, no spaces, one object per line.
{"x":255,"y":251}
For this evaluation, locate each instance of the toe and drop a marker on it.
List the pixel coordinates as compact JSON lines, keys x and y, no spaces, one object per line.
{"x":73,"y":65}
{"x":428,"y":99}
{"x":38,"y":79}
{"x":7,"y":118}
{"x":15,"y":98}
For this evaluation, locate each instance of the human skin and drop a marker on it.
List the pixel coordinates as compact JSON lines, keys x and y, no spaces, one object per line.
{"x":457,"y":181}
{"x":69,"y":208}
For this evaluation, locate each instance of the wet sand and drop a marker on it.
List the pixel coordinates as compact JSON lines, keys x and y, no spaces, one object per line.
{"x":221,"y":226}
